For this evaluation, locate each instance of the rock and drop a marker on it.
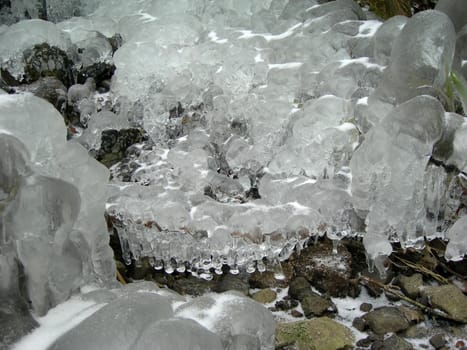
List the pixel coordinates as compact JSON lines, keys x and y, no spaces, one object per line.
{"x":319,"y":333}
{"x":438,"y":341}
{"x":232,"y":282}
{"x":449,"y":299}
{"x":265,"y":296}
{"x":262,"y":280}
{"x":114,"y":144}
{"x":316,"y":305}
{"x":100,"y":72}
{"x":191,"y":285}
{"x":123,"y":320}
{"x":50,"y":89}
{"x":365,"y":307}
{"x":296,"y":313}
{"x":359,"y":323}
{"x":230,"y":315}
{"x":392,"y":343}
{"x":386,"y":319}
{"x":411,"y":285}
{"x":328,"y":272}
{"x":299,"y":288}
{"x":246,"y":342}
{"x":44,"y":60}
{"x":15,"y":320}
{"x":286,"y":304}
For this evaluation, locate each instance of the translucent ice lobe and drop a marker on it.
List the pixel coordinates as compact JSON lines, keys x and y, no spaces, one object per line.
{"x":422,"y":55}
{"x":388,"y":168}
{"x":457,"y":236}
{"x":55,"y":208}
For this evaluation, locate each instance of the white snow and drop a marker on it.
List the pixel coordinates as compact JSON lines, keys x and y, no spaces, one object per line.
{"x":57,"y":322}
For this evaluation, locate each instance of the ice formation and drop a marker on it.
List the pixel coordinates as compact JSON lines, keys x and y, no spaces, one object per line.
{"x":269,"y":122}
{"x":52,"y":204}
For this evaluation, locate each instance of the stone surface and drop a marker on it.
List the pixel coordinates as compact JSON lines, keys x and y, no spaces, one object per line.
{"x":449,"y":299}
{"x":386,"y":319}
{"x":316,"y":305}
{"x":392,"y":343}
{"x":265,"y":296}
{"x":411,"y":285}
{"x":326,"y":271}
{"x":319,"y":333}
{"x":438,"y":341}
{"x":232,"y":282}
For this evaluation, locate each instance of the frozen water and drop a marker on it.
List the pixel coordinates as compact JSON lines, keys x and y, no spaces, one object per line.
{"x":388,"y":168}
{"x":269,"y":122}
{"x":64,"y":242}
{"x":456,"y":10}
{"x":230,"y":315}
{"x":421,"y":56}
{"x":165,"y":334}
{"x":456,"y":235}
{"x":118,"y":325}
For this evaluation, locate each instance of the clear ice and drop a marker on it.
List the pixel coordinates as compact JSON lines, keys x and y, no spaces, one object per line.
{"x":269,"y":122}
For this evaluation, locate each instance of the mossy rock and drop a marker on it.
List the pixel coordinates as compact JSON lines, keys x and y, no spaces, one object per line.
{"x":265,"y":296}
{"x":316,"y":334}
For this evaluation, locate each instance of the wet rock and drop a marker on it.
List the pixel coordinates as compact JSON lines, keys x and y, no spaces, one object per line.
{"x":191,"y":286}
{"x":386,"y":319}
{"x":244,"y":341}
{"x":438,"y":341}
{"x":449,"y":299}
{"x":359,"y":323}
{"x":299,"y":288}
{"x":265,"y":296}
{"x":262,"y":280}
{"x":15,"y":320}
{"x":365,"y":307}
{"x":232,"y":282}
{"x":101,"y":72}
{"x":285,"y":304}
{"x":50,"y":89}
{"x":328,"y":272}
{"x":296,"y":313}
{"x":316,"y":305}
{"x":44,"y":60}
{"x":318,"y":333}
{"x":392,"y":343}
{"x":411,"y":285}
{"x":115,"y":143}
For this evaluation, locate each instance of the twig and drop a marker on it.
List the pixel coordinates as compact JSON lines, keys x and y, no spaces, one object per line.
{"x":423,"y":270}
{"x":120,"y":277}
{"x":390,"y":290}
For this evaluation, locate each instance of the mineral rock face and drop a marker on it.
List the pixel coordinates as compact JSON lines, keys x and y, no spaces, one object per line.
{"x":52,"y":195}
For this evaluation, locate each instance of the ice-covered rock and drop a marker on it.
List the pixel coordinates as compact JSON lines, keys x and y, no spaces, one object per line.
{"x":118,"y":325}
{"x":385,"y":37}
{"x":458,"y":157}
{"x":230,"y":315}
{"x":61,"y":190}
{"x":457,"y":245}
{"x":18,"y":38}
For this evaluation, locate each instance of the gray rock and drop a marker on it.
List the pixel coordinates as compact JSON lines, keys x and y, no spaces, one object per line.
{"x":438,"y":341}
{"x":165,"y":334}
{"x":299,"y":288}
{"x":265,"y":296}
{"x":386,"y":319}
{"x":117,"y":325}
{"x":232,"y":282}
{"x":411,"y":285}
{"x":392,"y":343}
{"x":443,"y":149}
{"x":328,"y":272}
{"x":316,"y":305}
{"x":449,"y":299}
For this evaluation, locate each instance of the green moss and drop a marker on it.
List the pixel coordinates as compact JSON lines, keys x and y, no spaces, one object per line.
{"x":316,"y":334}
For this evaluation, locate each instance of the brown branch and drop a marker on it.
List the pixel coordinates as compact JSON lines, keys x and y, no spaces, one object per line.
{"x":395,"y":292}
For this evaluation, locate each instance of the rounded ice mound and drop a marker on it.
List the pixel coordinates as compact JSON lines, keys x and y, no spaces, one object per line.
{"x":231,"y":315}
{"x":61,"y":191}
{"x":25,"y":34}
